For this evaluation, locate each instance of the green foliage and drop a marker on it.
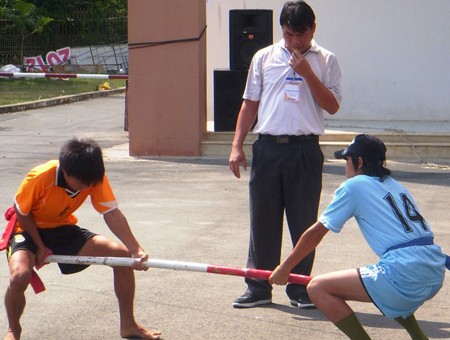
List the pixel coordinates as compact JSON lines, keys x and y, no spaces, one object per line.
{"x":63,"y":9}
{"x":34,"y":27}
{"x":25,"y":20}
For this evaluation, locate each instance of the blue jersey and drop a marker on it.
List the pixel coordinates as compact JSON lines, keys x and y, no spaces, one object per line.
{"x":387,"y":215}
{"x":385,"y":211}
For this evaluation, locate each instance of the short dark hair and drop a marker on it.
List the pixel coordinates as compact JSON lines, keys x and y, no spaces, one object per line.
{"x":82,"y":159}
{"x":297,"y":15}
{"x":371,"y":167}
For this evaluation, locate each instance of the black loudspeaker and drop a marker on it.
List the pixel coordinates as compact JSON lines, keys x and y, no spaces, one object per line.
{"x":250,"y":30}
{"x":229,"y":86}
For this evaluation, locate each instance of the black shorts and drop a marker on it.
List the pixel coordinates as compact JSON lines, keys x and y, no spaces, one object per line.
{"x":63,"y":240}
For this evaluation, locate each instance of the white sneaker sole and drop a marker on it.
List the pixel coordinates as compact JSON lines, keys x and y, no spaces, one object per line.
{"x":251,"y":304}
{"x":295,"y":303}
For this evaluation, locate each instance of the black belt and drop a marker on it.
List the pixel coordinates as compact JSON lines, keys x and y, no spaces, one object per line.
{"x":287,"y":139}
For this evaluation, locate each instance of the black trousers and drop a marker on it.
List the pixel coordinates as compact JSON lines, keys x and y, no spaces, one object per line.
{"x":285,"y":179}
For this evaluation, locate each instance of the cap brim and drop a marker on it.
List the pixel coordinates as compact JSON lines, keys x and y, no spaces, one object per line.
{"x":340,"y":154}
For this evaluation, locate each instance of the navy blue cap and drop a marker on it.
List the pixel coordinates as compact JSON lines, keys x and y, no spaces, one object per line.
{"x":366,"y":146}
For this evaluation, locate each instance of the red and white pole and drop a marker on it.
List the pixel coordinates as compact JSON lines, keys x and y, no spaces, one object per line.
{"x":175,"y":265}
{"x":62,"y":75}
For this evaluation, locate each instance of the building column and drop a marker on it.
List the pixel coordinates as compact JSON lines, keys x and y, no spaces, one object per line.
{"x":166,"y":98}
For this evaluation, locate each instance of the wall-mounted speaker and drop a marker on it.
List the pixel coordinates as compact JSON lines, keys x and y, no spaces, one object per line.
{"x":250,"y":30}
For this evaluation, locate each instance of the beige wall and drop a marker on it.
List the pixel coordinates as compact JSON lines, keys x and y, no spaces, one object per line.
{"x":166,"y":100}
{"x":393,"y":54}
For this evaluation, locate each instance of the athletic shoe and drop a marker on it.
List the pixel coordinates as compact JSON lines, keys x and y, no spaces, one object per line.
{"x":303,"y":303}
{"x":248,"y":300}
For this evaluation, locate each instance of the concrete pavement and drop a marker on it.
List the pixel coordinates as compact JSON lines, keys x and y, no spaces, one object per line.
{"x":191,"y":209}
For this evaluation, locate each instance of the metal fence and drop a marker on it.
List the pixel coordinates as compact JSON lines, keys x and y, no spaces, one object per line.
{"x":81,"y":29}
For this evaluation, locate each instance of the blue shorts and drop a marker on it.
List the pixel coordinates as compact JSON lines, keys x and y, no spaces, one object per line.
{"x":404,"y":279}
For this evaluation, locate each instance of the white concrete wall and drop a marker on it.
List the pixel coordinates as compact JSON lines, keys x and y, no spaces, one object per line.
{"x":394,"y":54}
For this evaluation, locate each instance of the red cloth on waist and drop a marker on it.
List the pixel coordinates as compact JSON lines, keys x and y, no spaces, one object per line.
{"x":10,"y":216}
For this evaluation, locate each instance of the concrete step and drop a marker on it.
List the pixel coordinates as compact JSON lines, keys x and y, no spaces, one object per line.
{"x":400,"y":144}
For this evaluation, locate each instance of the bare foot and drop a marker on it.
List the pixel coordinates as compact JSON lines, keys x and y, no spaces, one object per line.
{"x":10,"y":336}
{"x":139,"y":332}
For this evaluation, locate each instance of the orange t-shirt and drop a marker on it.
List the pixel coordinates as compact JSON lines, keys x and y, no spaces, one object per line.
{"x":42,"y":193}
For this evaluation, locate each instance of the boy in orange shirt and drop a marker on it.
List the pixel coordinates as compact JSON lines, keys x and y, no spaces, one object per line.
{"x":44,"y":207}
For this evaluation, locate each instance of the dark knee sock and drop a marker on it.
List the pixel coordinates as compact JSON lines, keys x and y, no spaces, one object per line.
{"x":352,"y":328}
{"x":413,"y":328}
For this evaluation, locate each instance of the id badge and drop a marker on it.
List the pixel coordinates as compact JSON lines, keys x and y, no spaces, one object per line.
{"x":293,"y":89}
